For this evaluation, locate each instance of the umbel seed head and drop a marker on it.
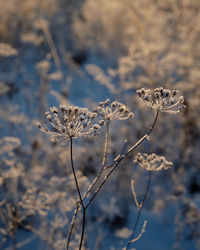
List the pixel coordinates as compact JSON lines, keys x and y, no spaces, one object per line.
{"x":114,"y":111}
{"x":163,"y":100}
{"x":69,"y":122}
{"x":152,"y":162}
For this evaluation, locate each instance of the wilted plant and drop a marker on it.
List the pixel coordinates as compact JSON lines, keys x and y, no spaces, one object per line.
{"x":73,"y":122}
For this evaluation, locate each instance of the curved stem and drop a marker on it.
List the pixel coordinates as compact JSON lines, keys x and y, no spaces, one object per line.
{"x":74,"y":173}
{"x":122,"y":157}
{"x":139,"y":211}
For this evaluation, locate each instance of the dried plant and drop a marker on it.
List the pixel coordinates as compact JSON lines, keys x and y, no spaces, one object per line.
{"x":151,"y":162}
{"x":114,"y":111}
{"x":70,"y":122}
{"x":162,"y":99}
{"x":74,"y":122}
{"x":51,"y":51}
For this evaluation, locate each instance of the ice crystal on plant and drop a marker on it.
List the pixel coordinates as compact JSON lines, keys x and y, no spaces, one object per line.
{"x":161,"y":99}
{"x":114,"y":111}
{"x":152,"y":162}
{"x":69,"y":122}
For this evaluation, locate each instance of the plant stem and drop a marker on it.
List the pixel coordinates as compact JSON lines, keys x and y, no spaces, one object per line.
{"x":83,"y":229}
{"x":140,"y":210}
{"x":122,"y":157}
{"x":91,"y":186}
{"x":103,"y":161}
{"x":84,"y":208}
{"x":72,"y":224}
{"x":106,"y":145}
{"x":79,"y":193}
{"x":74,"y":173}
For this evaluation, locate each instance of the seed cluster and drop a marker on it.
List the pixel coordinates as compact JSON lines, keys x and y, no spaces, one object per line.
{"x":70,"y":122}
{"x":152,"y":162}
{"x":161,"y":99}
{"x":113,"y":111}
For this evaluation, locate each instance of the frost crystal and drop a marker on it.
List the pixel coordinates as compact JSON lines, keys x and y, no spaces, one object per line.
{"x":163,"y":100}
{"x":69,"y":122}
{"x":114,"y":111}
{"x":152,"y":162}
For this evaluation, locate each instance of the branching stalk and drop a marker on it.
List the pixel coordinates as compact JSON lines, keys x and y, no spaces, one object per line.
{"x":139,"y":211}
{"x":91,"y":186}
{"x":116,"y":163}
{"x":122,"y":157}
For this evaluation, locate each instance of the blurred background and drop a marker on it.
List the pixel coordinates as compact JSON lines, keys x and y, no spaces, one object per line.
{"x":81,"y":52}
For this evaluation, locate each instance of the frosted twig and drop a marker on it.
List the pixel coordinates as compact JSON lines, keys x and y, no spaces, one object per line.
{"x":141,"y":233}
{"x":134,"y":194}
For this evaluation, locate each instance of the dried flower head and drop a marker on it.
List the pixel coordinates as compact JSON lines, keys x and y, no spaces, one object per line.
{"x":161,"y":99}
{"x":69,"y":122}
{"x":6,"y":50}
{"x":113,"y":111}
{"x":152,"y":162}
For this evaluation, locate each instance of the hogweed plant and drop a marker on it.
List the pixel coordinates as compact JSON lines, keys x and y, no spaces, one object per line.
{"x":163,"y":100}
{"x":69,"y":123}
{"x":151,"y":162}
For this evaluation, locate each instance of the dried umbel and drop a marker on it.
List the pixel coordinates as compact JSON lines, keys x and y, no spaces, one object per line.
{"x":152,"y":162}
{"x":163,"y":100}
{"x":70,"y":122}
{"x":113,"y":111}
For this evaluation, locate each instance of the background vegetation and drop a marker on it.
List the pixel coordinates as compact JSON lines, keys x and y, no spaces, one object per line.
{"x":81,"y":52}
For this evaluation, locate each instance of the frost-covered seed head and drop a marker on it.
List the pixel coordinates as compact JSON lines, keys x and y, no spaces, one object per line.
{"x":161,"y":99}
{"x":69,"y":122}
{"x":116,"y":111}
{"x":152,"y":162}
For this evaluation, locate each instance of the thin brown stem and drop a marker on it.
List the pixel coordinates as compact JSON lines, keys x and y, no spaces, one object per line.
{"x":72,"y":224}
{"x":116,"y":163}
{"x":106,"y":145}
{"x":122,"y":157}
{"x":103,"y":161}
{"x":79,"y":193}
{"x":140,"y":210}
{"x":83,"y":229}
{"x":91,"y":186}
{"x":74,"y":173}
